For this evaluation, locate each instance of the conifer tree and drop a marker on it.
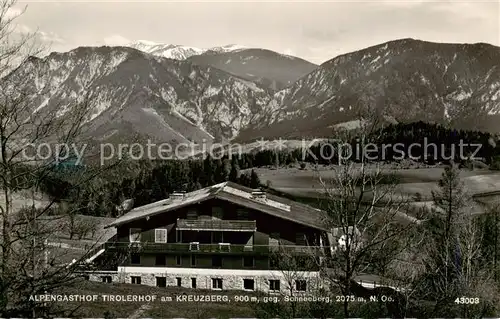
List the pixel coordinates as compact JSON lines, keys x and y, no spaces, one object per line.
{"x":254,"y":180}
{"x":208,"y":171}
{"x":234,"y":173}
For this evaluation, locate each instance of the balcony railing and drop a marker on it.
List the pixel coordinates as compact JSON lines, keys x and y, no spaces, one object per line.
{"x":216,"y":225}
{"x":149,"y":247}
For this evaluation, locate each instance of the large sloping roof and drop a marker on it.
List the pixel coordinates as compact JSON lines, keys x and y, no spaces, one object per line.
{"x":231,"y":192}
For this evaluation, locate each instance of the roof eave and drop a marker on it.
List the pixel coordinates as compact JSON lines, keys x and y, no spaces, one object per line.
{"x":115,"y":224}
{"x":267,"y":212}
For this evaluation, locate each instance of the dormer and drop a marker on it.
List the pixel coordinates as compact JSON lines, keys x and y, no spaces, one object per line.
{"x":258,"y":194}
{"x":178,"y":196}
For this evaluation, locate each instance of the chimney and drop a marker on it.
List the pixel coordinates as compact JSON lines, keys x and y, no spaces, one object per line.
{"x":177,"y":196}
{"x":258,"y":194}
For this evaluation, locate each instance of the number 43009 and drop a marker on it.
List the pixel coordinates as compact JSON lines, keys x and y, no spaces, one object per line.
{"x":466,"y":301}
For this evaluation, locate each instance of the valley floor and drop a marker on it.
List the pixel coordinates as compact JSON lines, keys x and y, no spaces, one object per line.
{"x":305,"y":182}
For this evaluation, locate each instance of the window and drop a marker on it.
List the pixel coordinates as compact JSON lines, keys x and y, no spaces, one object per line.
{"x":160,"y":235}
{"x":179,"y":281}
{"x":193,"y":260}
{"x":193,"y":282}
{"x":161,"y":282}
{"x":242,"y":214}
{"x":106,"y":279}
{"x":274,"y":285}
{"x":248,"y":262}
{"x":194,"y":246}
{"x":248,"y":284}
{"x":216,"y":261}
{"x":224,"y":247}
{"x":135,"y":235}
{"x":136,"y":280}
{"x":300,"y":239}
{"x":135,"y":259}
{"x":178,"y":260}
{"x":192,"y":214}
{"x":345,"y":239}
{"x":300,"y":285}
{"x":274,"y":239}
{"x":217,"y":237}
{"x":160,"y":260}
{"x":216,"y":283}
{"x":217,"y":212}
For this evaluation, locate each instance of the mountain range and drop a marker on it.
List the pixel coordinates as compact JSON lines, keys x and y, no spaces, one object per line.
{"x":265,"y":67}
{"x":179,"y":52}
{"x":180,"y":94}
{"x":404,"y":80}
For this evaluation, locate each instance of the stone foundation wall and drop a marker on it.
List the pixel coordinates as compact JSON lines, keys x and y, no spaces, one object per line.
{"x":97,"y":276}
{"x":229,"y":282}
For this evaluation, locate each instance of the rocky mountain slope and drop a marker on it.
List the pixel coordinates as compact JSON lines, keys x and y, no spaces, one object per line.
{"x":406,"y":80}
{"x":267,"y":68}
{"x":134,"y":93}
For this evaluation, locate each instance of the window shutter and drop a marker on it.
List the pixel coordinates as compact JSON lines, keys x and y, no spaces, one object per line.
{"x":160,"y":235}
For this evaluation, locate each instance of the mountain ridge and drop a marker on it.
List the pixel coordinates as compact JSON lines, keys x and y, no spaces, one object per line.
{"x":135,"y":92}
{"x":266,"y":67}
{"x":408,"y":79}
{"x":178,"y":51}
{"x":184,"y":101}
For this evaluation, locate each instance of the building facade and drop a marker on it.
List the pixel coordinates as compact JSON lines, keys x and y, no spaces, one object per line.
{"x":221,"y":237}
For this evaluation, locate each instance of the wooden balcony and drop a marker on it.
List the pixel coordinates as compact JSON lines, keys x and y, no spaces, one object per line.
{"x":223,"y":248}
{"x":217,"y":225}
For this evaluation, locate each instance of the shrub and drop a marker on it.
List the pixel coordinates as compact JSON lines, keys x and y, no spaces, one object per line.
{"x":495,"y":163}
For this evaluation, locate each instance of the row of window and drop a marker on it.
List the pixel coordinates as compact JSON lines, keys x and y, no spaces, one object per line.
{"x":217,"y":283}
{"x":218,"y":213}
{"x":160,"y":260}
{"x":161,"y":235}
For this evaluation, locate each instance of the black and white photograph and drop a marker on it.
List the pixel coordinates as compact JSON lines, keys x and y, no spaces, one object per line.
{"x":249,"y":159}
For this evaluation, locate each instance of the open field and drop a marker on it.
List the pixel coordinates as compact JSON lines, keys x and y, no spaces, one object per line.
{"x":24,"y":199}
{"x":305,"y":183}
{"x":63,"y":249}
{"x":58,"y":224}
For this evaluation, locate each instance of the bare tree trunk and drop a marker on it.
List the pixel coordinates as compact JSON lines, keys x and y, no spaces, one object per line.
{"x":23,"y":233}
{"x":363,"y":210}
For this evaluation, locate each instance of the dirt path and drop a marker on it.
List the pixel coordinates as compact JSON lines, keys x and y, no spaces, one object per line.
{"x":138,"y":313}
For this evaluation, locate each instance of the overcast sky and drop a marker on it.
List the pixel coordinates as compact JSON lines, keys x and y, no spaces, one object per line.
{"x":314,"y":30}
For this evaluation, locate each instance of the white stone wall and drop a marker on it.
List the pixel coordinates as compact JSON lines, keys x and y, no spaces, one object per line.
{"x":232,"y":279}
{"x":97,"y":275}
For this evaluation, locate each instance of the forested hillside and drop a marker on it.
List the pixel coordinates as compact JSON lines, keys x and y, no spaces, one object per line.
{"x":148,"y":181}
